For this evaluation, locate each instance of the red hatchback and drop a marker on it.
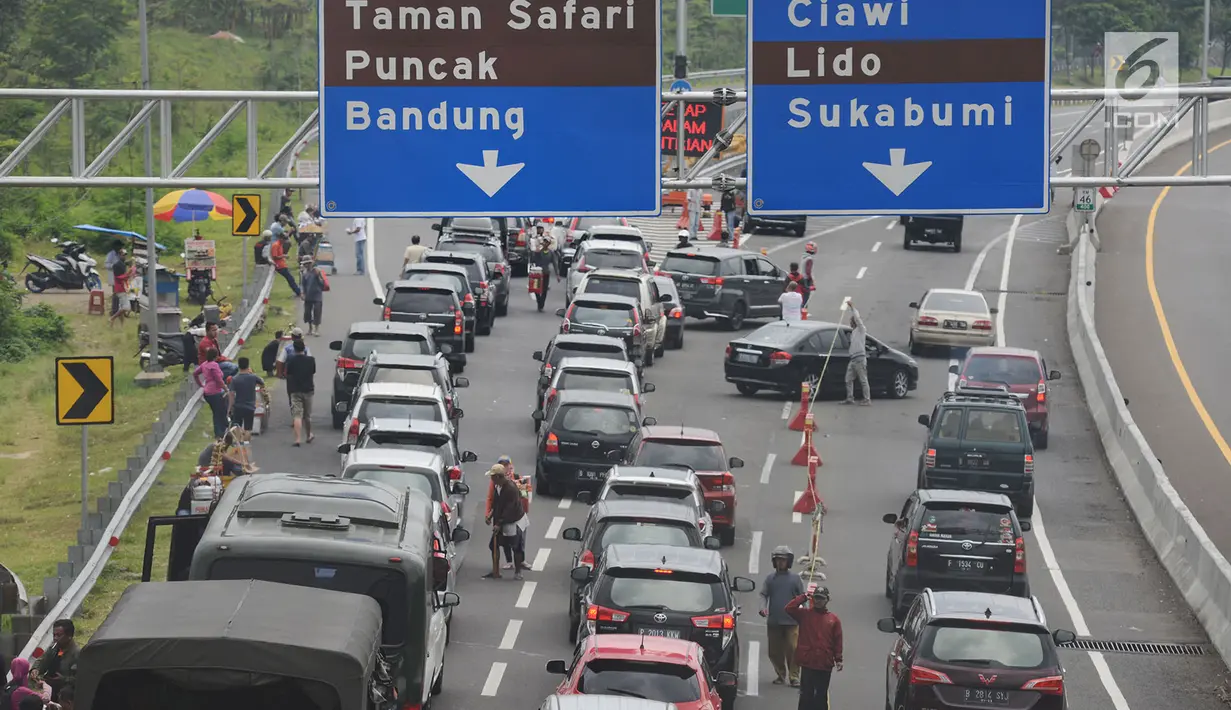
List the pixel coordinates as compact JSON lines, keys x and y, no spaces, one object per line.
{"x":650,"y":667}
{"x":1023,"y":371}
{"x":699,"y":450}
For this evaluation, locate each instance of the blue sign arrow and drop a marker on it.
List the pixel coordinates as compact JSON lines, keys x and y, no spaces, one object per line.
{"x":896,"y":107}
{"x":516,"y":108}
{"x":681,"y":85}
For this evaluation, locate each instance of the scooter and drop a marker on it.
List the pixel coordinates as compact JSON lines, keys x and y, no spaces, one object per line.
{"x":71,"y":270}
{"x":170,"y":346}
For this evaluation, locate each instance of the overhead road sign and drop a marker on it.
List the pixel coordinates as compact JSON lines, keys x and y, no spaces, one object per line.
{"x":509,"y":108}
{"x":246,"y":215}
{"x":85,"y":390}
{"x":896,"y":107}
{"x":680,"y":85}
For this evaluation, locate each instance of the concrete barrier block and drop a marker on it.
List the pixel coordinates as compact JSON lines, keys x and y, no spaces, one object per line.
{"x":94,"y":521}
{"x":116,"y":490}
{"x":106,"y":505}
{"x":66,"y":572}
{"x":51,"y":589}
{"x":134,"y":463}
{"x":127,"y":476}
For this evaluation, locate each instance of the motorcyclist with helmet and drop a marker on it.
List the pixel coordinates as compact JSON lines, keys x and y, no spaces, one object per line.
{"x":685,"y":238}
{"x":781,"y":630}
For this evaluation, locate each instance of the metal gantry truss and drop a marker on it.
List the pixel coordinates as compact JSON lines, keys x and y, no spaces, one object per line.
{"x":1194,"y":102}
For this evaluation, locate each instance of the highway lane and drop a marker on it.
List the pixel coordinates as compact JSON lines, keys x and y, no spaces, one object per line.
{"x":1177,"y":391}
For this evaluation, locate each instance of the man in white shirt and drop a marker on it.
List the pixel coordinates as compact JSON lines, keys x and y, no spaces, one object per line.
{"x":792,"y":303}
{"x":359,"y":230}
{"x":857,"y":364}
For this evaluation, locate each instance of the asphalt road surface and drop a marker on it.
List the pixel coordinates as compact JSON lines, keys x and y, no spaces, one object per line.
{"x":1177,"y":390}
{"x":1090,"y":566}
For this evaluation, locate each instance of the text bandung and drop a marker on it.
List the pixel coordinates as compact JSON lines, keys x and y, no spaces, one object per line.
{"x":439,"y":118}
{"x":886,"y":116}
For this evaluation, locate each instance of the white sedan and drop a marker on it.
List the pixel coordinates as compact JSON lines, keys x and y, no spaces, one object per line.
{"x":951,"y":318}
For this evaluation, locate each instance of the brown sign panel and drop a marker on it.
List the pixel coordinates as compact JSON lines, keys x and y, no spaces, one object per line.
{"x":702,"y":122}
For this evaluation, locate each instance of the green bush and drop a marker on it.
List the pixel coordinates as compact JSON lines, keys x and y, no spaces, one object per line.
{"x":26,"y":331}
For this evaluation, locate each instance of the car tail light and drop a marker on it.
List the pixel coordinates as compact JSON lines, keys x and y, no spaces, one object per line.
{"x":408,"y":705}
{"x":912,"y":549}
{"x":637,"y":330}
{"x":344,"y":363}
{"x":711,"y":280}
{"x":929,"y":458}
{"x":728,"y":355}
{"x":982,"y":325}
{"x":928,"y":320}
{"x":725,"y":483}
{"x":483,"y":285}
{"x":457,"y":322}
{"x":602,"y":613}
{"x":553,"y":444}
{"x":565,"y":325}
{"x":449,"y":402}
{"x":587,"y":559}
{"x":353,"y":432}
{"x":521,"y":238}
{"x":677,"y":312}
{"x":547,"y":370}
{"x":1028,"y":466}
{"x":387,"y":313}
{"x":455,"y":473}
{"x":926,"y":676}
{"x":1019,"y":557}
{"x":444,"y":508}
{"x":1051,"y":685}
{"x":551,"y":394}
{"x":1042,"y":395}
{"x":780,"y":358}
{"x":717,"y":621}
{"x":499,"y":269}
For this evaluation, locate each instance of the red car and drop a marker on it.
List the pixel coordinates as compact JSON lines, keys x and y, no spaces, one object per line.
{"x":1023,"y":371}
{"x":650,"y":667}
{"x":699,"y":450}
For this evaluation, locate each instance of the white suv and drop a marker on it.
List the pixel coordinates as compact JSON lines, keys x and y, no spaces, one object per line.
{"x":675,"y":484}
{"x":639,"y":286}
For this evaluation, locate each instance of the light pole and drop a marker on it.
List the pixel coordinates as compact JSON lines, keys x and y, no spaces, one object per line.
{"x":1205,"y":46}
{"x":154,"y":369}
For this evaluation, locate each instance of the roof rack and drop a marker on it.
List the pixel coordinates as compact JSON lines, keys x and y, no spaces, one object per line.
{"x":991,"y":395}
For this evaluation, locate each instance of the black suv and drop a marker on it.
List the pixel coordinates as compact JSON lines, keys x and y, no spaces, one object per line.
{"x":497,"y":262}
{"x":933,"y":229}
{"x":955,"y":540}
{"x":430,"y":302}
{"x":728,"y":284}
{"x":796,"y":223}
{"x":577,"y":345}
{"x":667,"y":591}
{"x":415,"y":370}
{"x":580,"y":430}
{"x":972,"y":649}
{"x":364,"y":338}
{"x":629,"y":521}
{"x":978,"y":439}
{"x":607,"y":315}
{"x":480,"y":284}
{"x":458,"y":278}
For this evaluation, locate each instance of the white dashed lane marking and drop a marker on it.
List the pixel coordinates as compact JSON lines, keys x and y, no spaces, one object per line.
{"x":492,"y":685}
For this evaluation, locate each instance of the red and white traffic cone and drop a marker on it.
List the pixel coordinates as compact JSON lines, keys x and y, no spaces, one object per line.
{"x":735,"y":235}
{"x":803,"y":313}
{"x":806,"y":450}
{"x":683,"y":223}
{"x":805,"y":392}
{"x":716,"y":232}
{"x":810,"y":498}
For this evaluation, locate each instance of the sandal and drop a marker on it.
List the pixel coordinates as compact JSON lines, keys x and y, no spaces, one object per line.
{"x":311,"y":438}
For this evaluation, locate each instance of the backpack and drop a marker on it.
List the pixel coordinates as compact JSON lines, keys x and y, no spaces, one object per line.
{"x":6,"y":695}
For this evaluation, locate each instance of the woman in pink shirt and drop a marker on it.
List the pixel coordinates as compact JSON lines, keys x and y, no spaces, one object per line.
{"x":208,"y":376}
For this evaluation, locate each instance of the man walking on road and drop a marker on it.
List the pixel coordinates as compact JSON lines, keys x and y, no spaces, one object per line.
{"x":414,"y":253}
{"x":300,"y":376}
{"x":315,"y":284}
{"x":819,"y":650}
{"x":857,"y":362}
{"x":359,"y":230}
{"x":782,"y":631}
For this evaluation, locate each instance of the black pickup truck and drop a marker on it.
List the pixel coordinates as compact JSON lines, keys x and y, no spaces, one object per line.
{"x":933,"y":229}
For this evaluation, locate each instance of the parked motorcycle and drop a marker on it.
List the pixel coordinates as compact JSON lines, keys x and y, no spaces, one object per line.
{"x":171,"y":346}
{"x":71,"y":270}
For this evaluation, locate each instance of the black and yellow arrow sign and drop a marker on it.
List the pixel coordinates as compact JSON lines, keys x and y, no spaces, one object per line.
{"x":84,"y":390}
{"x":246,"y":215}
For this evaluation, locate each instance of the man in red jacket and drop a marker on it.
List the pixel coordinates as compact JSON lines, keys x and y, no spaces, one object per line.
{"x":819,"y":649}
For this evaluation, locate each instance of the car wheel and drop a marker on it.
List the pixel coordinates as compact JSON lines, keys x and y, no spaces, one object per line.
{"x":339,"y":418}
{"x":900,"y":385}
{"x":541,"y":485}
{"x":469,"y":345}
{"x":1026,"y":510}
{"x":899,"y":604}
{"x":957,"y":245}
{"x":726,"y":536}
{"x":485,"y":329}
{"x":915,"y":348}
{"x":648,"y":360}
{"x":538,"y":424}
{"x":745,"y":389}
{"x":1040,"y":439}
{"x":736,"y":320}
{"x":502,"y":309}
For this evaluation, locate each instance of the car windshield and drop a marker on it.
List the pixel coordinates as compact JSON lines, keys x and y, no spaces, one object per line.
{"x":956,"y":303}
{"x":776,"y":334}
{"x":664,"y":682}
{"x":947,"y":521}
{"x":421,"y":300}
{"x":394,"y":408}
{"x":489,"y":253}
{"x":595,"y":380}
{"x":992,"y":646}
{"x":1010,"y":370}
{"x":403,"y":375}
{"x":409,"y":442}
{"x":600,"y":421}
{"x":610,"y":315}
{"x":663,"y":589}
{"x":605,"y":259}
{"x":458,"y":282}
{"x":419,"y":482}
{"x":690,"y":264}
{"x":472,"y":224}
{"x":586,"y":223}
{"x":699,"y":456}
{"x":641,"y":490}
{"x":358,"y":347}
{"x":996,"y":426}
{"x":644,"y":533}
{"x":615,"y":287}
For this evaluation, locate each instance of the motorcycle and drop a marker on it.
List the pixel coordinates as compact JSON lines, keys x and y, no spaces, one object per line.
{"x":200,"y":287}
{"x":71,"y":270}
{"x":171,"y":346}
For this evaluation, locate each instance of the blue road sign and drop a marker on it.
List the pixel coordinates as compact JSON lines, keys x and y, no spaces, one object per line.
{"x":515,"y":108}
{"x":896,"y":107}
{"x":681,"y":85}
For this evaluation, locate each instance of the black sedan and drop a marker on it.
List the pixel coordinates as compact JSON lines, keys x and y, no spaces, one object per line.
{"x":784,"y":354}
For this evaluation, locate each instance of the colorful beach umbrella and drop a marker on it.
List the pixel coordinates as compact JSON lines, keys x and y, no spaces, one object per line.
{"x":192,"y":206}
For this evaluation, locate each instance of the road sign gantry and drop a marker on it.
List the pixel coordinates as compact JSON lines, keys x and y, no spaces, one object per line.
{"x":897,"y":107}
{"x":498,"y":108}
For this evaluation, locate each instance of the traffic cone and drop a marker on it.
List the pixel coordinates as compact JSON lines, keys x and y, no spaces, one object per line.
{"x":803,"y":313}
{"x":716,"y":233}
{"x":683,"y":223}
{"x":810,"y":498}
{"x":764,"y":251}
{"x":805,"y":392}
{"x":735,"y":237}
{"x":806,"y":450}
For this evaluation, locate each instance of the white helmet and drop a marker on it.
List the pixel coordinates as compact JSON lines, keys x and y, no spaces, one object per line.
{"x":684,"y":234}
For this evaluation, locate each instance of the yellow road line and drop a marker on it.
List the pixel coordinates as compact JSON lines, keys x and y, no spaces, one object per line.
{"x":1159,"y":313}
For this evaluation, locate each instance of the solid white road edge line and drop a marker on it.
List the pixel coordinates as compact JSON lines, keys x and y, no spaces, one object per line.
{"x":751,"y":680}
{"x":566,"y":503}
{"x":971,"y":277}
{"x":369,"y":255}
{"x":876,"y":247}
{"x":553,"y":528}
{"x":754,"y":554}
{"x":823,"y":232}
{"x":1040,"y":532}
{"x":494,"y":676}
{"x":540,"y":559}
{"x":510,"y":635}
{"x":526,"y":594}
{"x":768,"y":467}
{"x":862,"y":270}
{"x":796,"y":517}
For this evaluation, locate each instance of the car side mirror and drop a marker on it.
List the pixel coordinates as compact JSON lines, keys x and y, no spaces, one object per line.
{"x":1053,"y":375}
{"x":460,"y":489}
{"x":573,"y":534}
{"x":1025,"y":525}
{"x":716,"y":507}
{"x":735,"y":462}
{"x":615,"y":456}
{"x":537,"y":416}
{"x":449,"y":600}
{"x":460,"y":534}
{"x":585,"y":497}
{"x":925,"y":420}
{"x":743,"y":584}
{"x":648,"y":388}
{"x":344,"y":448}
{"x":914,"y":305}
{"x":557,"y":668}
{"x":580,"y":573}
{"x":445,"y":349}
{"x":461,"y":382}
{"x":649,"y":421}
{"x":888,"y":625}
{"x":890,"y":518}
{"x":727,"y":679}
{"x":712,"y":543}
{"x":953,"y":370}
{"x":388,"y":284}
{"x":436,"y":226}
{"x":469,"y":457}
{"x":993,"y":310}
{"x":664,"y":298}
{"x":651,"y":263}
{"x":378,"y":301}
{"x":459,"y":413}
{"x":1063,"y":636}
{"x":335,"y":345}
{"x":537,"y":355}
{"x":560,"y":312}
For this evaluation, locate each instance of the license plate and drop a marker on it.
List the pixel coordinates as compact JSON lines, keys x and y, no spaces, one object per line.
{"x":977,"y":462}
{"x":968,"y":565}
{"x":591,"y":475}
{"x":661,"y":633}
{"x":688,"y":287}
{"x":985,"y":696}
{"x":747,"y":357}
{"x":955,"y":325}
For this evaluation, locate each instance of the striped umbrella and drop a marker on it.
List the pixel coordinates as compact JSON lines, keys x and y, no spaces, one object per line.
{"x":192,"y":206}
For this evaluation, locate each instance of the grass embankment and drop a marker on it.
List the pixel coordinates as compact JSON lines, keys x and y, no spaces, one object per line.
{"x":40,"y":462}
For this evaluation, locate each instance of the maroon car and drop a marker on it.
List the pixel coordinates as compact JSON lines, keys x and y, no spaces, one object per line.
{"x":1023,"y":371}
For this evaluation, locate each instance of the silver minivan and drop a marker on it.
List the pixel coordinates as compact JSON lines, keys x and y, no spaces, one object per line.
{"x":640,"y":286}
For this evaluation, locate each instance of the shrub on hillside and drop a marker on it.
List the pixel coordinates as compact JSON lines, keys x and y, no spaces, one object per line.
{"x":26,"y":331}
